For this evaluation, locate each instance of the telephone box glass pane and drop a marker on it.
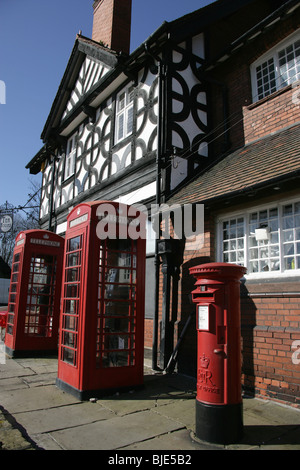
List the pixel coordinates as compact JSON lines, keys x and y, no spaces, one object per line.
{"x":116,"y":304}
{"x":71,"y":298}
{"x":40,"y":296}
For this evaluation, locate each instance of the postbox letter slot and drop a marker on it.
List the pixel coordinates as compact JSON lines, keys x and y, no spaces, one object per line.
{"x":205,"y":296}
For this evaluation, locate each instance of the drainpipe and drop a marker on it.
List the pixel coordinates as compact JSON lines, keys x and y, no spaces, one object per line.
{"x":158,"y":202}
{"x":51,"y":194}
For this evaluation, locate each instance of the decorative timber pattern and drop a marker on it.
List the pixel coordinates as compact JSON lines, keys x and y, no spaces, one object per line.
{"x":187,"y":109}
{"x":90,"y":73}
{"x":100,"y":160}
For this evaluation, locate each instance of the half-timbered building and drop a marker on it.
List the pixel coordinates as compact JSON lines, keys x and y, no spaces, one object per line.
{"x":137,"y":127}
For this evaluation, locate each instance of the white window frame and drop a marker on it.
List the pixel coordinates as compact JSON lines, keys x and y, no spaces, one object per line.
{"x":124,"y":113}
{"x":70,"y":157}
{"x":283,"y":242}
{"x":278,"y":79}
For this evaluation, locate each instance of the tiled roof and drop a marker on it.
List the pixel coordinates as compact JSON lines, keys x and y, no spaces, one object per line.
{"x":275,"y":156}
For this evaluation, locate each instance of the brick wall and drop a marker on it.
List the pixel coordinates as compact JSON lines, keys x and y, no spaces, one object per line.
{"x":266,"y":116}
{"x":112,"y":23}
{"x":271,"y":347}
{"x":148,"y":333}
{"x":279,"y":110}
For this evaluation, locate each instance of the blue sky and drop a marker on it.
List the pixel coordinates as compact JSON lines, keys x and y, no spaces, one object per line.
{"x":36,"y":40}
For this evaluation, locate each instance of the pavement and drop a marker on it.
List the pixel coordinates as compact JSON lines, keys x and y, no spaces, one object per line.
{"x":36,"y":415}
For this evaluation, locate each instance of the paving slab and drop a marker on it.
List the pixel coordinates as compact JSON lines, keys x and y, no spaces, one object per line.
{"x":37,"y":380}
{"x":182,"y":411}
{"x":62,"y":417}
{"x":115,"y":433}
{"x":173,"y":441}
{"x":39,"y":365}
{"x":272,"y":413}
{"x":13,"y":383}
{"x":287,"y":440}
{"x":12,"y":368}
{"x":155,"y":394}
{"x":46,"y":442}
{"x":35,"y":398}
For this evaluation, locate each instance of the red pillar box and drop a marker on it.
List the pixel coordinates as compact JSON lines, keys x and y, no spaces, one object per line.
{"x":34,"y":294}
{"x":219,"y":415}
{"x":101,"y":347}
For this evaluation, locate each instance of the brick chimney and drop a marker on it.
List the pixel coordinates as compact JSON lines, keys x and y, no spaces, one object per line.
{"x":112,"y":24}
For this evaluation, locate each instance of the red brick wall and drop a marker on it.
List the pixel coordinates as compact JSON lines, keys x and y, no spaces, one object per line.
{"x":148,"y":333}
{"x":112,"y":23}
{"x":271,"y":366}
{"x":271,"y":114}
{"x":236,"y":77}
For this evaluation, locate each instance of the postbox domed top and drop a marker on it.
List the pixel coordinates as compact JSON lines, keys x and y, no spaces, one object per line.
{"x":218,"y":271}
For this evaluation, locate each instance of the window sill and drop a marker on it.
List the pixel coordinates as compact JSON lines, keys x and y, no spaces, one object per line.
{"x":279,"y":92}
{"x":122,"y":142}
{"x":68,"y":179}
{"x":273,"y":275}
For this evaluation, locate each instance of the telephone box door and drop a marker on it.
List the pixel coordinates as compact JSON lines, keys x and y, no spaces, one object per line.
{"x":117,"y":320}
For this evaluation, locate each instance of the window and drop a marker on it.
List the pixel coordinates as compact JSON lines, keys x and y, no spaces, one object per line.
{"x":124,"y":113}
{"x":70,"y":157}
{"x":264,"y":254}
{"x":266,"y":240}
{"x":233,"y":241}
{"x":277,"y":69}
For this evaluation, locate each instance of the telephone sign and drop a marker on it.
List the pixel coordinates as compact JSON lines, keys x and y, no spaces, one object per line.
{"x":6,"y":223}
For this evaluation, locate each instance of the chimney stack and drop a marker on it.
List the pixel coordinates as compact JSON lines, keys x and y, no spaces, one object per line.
{"x":112,"y":24}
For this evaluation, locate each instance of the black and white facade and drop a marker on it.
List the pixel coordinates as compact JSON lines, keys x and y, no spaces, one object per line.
{"x":108,"y":139}
{"x":129,"y":128}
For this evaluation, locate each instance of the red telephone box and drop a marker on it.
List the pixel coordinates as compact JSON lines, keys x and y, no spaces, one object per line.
{"x":34,"y":294}
{"x":101,"y":345}
{"x":219,"y":416}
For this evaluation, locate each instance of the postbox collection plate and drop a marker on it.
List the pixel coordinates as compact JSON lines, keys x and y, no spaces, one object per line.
{"x":203,"y":318}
